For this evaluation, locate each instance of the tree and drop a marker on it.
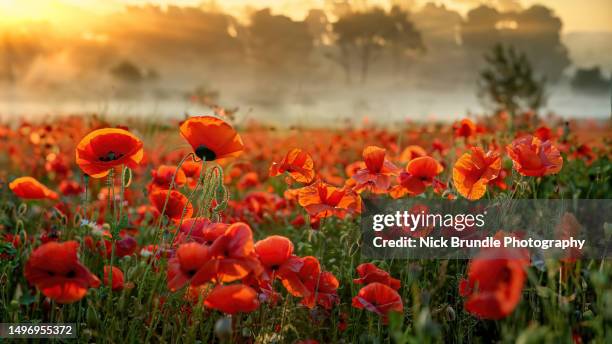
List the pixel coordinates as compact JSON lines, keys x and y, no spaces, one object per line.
{"x":367,"y":34}
{"x":590,"y":80}
{"x":508,"y":81}
{"x":535,"y":31}
{"x":277,"y":41}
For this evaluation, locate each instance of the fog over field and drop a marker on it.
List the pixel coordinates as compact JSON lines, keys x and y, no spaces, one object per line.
{"x":168,"y":61}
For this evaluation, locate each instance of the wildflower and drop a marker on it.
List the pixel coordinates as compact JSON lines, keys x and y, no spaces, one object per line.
{"x":534,"y":158}
{"x":54,"y":268}
{"x":104,"y":149}
{"x":494,"y":283}
{"x":211,"y":138}
{"x":465,"y":128}
{"x":474,"y":170}
{"x":232,"y":257}
{"x":412,"y":152}
{"x":370,"y":273}
{"x":378,"y":298}
{"x":232,"y":299}
{"x":117,"y":277}
{"x":177,"y":206}
{"x":187,"y":261}
{"x":323,"y":200}
{"x":30,"y":188}
{"x":298,"y":164}
{"x":420,"y":173}
{"x":376,"y":177}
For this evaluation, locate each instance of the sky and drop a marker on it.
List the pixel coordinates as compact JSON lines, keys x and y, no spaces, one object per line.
{"x":591,"y":15}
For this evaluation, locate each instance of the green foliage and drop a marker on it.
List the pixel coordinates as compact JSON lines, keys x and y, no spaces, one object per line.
{"x":509,"y":81}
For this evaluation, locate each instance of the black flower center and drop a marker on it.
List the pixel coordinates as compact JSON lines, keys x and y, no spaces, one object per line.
{"x":205,"y":153}
{"x":191,"y":272}
{"x":71,"y":274}
{"x":110,"y":156}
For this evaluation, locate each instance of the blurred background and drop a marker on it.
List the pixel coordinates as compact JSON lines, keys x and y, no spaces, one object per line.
{"x":296,"y":62}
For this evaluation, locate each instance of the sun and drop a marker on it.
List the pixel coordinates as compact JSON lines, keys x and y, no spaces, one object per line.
{"x":64,"y":12}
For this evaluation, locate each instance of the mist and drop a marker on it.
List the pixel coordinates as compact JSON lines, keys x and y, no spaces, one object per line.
{"x":338,"y":64}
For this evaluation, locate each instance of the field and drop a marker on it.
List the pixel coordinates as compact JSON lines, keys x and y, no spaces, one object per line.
{"x":202,"y":231}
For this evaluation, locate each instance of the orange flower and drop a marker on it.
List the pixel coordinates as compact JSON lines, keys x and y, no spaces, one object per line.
{"x":232,"y":257}
{"x":55,"y":269}
{"x":412,"y":152}
{"x":104,"y":149}
{"x":232,"y":299}
{"x":192,"y":171}
{"x":273,"y":251}
{"x":297,"y":274}
{"x":376,"y":177}
{"x":298,"y":164}
{"x":162,"y":177}
{"x":378,"y":298}
{"x":465,"y":128}
{"x":534,"y":158}
{"x":370,"y":273}
{"x":30,"y":188}
{"x":495,"y":282}
{"x":323,"y":200}
{"x":177,"y":207}
{"x":117,"y":277}
{"x":201,"y":230}
{"x":323,"y":291}
{"x":473,"y":171}
{"x":185,"y":264}
{"x":420,"y":173}
{"x":211,"y":138}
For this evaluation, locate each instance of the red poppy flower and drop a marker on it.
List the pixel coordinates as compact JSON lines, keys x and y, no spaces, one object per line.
{"x":376,"y":177}
{"x":323,"y":291}
{"x":378,"y":298}
{"x":465,"y":128}
{"x":192,"y":171}
{"x":177,"y":206}
{"x":70,"y":187}
{"x":232,"y":299}
{"x":298,"y":164}
{"x":495,"y":282}
{"x":162,"y":177}
{"x":323,"y":200}
{"x":201,"y":230}
{"x":30,"y":188}
{"x":273,"y":251}
{"x":117,"y":277}
{"x":54,"y":268}
{"x":189,"y":258}
{"x":534,"y":158}
{"x":232,"y":257}
{"x":247,"y":181}
{"x":420,"y":173}
{"x":544,"y":133}
{"x":107,"y":148}
{"x":297,"y":274}
{"x":370,"y":273}
{"x":211,"y":138}
{"x":412,"y":152}
{"x":474,"y":170}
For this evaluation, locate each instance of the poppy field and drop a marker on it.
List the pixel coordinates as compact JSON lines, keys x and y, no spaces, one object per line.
{"x":207,"y":230}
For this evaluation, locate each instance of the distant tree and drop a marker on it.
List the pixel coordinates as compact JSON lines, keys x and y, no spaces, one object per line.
{"x":277,"y":41}
{"x":590,"y":80}
{"x":127,"y":71}
{"x":535,"y":31}
{"x":508,"y":81}
{"x":367,"y":34}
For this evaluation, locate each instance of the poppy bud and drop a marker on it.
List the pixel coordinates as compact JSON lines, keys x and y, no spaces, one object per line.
{"x":223,"y":329}
{"x":92,"y":317}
